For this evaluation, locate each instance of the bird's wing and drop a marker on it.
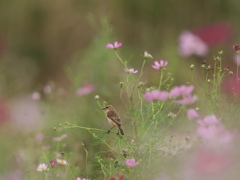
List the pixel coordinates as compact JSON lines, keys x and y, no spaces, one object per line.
{"x":114,"y":117}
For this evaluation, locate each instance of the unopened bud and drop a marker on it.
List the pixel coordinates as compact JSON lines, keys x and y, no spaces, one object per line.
{"x":192,"y":67}
{"x":121,"y":84}
{"x":97,"y":97}
{"x":140,"y":84}
{"x":147,"y":55}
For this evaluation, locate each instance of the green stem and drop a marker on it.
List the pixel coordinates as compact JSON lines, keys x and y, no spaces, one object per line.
{"x":121,"y":60}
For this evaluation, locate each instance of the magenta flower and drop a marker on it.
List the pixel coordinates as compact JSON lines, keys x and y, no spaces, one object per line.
{"x":156,"y":95}
{"x":87,"y":89}
{"x":131,"y":162}
{"x":119,"y":177}
{"x":192,"y":114}
{"x":190,"y":44}
{"x":115,"y":45}
{"x":131,"y":70}
{"x":215,"y":34}
{"x":53,"y":163}
{"x":236,"y":47}
{"x":157,"y":65}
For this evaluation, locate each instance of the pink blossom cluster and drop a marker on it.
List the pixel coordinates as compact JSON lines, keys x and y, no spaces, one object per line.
{"x":156,"y":95}
{"x":213,"y":131}
{"x":184,"y":92}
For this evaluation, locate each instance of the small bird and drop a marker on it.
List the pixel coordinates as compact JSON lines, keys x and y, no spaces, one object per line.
{"x":113,"y":118}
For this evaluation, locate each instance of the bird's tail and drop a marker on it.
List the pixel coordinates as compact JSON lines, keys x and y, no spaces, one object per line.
{"x":121,"y":131}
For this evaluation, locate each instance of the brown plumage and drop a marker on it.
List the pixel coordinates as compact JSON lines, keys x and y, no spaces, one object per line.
{"x":113,"y":118}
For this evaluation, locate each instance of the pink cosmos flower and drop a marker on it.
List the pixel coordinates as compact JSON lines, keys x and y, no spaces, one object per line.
{"x":192,"y":114}
{"x":115,"y":45}
{"x":190,"y":44}
{"x":157,"y":65}
{"x":184,"y":92}
{"x":181,"y":91}
{"x":131,"y":70}
{"x":213,"y":131}
{"x":87,"y":89}
{"x":42,"y":167}
{"x":131,"y":162}
{"x":156,"y":95}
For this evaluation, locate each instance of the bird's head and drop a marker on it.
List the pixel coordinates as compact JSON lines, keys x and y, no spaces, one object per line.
{"x":108,"y":108}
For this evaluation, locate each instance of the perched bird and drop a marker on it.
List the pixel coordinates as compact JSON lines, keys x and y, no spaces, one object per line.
{"x":113,"y":118}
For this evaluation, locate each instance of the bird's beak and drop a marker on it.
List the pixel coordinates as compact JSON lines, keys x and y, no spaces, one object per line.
{"x":103,"y":108}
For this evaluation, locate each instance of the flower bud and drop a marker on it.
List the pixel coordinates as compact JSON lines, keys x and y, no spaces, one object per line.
{"x":121,"y":84}
{"x":192,"y":67}
{"x":147,"y":55}
{"x":230,"y":73}
{"x":97,"y":97}
{"x":140,"y":84}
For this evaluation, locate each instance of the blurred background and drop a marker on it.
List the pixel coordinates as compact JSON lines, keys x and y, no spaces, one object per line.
{"x":53,"y":61}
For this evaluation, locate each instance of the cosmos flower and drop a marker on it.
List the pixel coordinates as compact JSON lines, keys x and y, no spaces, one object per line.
{"x":192,"y":114}
{"x":114,"y":46}
{"x":131,"y":162}
{"x":131,"y":70}
{"x":156,"y":95}
{"x":157,"y":65}
{"x":190,"y":44}
{"x":42,"y":167}
{"x":62,"y":162}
